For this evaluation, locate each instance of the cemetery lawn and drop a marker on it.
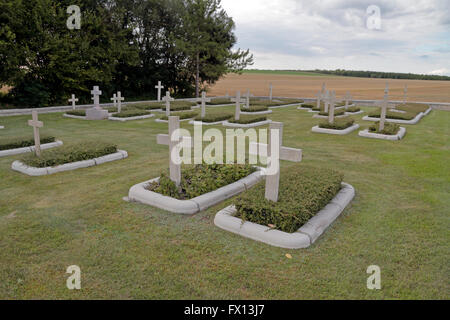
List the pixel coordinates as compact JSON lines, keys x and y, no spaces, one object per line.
{"x":398,"y":221}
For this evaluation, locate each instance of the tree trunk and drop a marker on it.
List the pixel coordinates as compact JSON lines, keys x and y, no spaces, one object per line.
{"x":197,"y":77}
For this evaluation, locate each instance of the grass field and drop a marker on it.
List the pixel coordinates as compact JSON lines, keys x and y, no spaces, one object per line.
{"x":302,"y":84}
{"x":285,"y":72}
{"x":399,"y":221}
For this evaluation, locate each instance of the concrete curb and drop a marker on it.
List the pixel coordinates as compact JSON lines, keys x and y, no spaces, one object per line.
{"x":303,"y":238}
{"x":220,"y":105}
{"x":138,"y":193}
{"x":2,"y":127}
{"x":131,"y":118}
{"x":249,"y":125}
{"x":399,"y":136}
{"x":318,"y":116}
{"x":302,"y":108}
{"x":166,"y":121}
{"x":354,"y":113}
{"x":413,"y":121}
{"x":286,"y":105}
{"x":34,"y":172}
{"x":65,"y":115}
{"x":201,"y":123}
{"x":313,"y":111}
{"x":317,"y":129}
{"x":11,"y":152}
{"x":257,"y":113}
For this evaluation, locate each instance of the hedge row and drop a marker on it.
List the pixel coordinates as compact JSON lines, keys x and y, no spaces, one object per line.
{"x":200,"y":179}
{"x":275,"y":103}
{"x":255,"y":109}
{"x":182,"y":115}
{"x":214,"y":117}
{"x":78,"y":113}
{"x":248,"y":119}
{"x":339,"y":124}
{"x":69,"y":154}
{"x":353,"y":109}
{"x":22,"y":142}
{"x":219,"y":101}
{"x":174,"y":105}
{"x":389,"y":128}
{"x":131,"y":113}
{"x":303,"y":192}
{"x":337,"y":112}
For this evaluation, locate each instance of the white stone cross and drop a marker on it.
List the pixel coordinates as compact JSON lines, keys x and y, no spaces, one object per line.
{"x":326,"y":100}
{"x":270,"y":92}
{"x":348,"y":97}
{"x":96,"y":93}
{"x":405,"y":94}
{"x":319,"y":99}
{"x":159,"y":87}
{"x":173,"y":141}
{"x":247,"y":99}
{"x":324,"y":88}
{"x":238,"y":100}
{"x":332,"y":101}
{"x":36,"y":124}
{"x":73,"y":100}
{"x":227,"y":95}
{"x":203,"y":100}
{"x":119,"y":101}
{"x":275,"y":152}
{"x":384,"y":107}
{"x":168,"y":99}
{"x":114,"y":100}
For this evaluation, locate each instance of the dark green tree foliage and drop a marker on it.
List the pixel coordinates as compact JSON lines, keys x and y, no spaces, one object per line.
{"x":125,"y":45}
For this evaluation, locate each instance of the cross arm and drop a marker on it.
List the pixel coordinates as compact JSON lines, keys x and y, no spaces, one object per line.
{"x":163,"y":139}
{"x":286,"y":153}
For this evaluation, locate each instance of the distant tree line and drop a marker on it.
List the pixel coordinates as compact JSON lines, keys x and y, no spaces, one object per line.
{"x":380,"y":75}
{"x":125,"y":45}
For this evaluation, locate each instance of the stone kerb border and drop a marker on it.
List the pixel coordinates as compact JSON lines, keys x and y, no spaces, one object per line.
{"x":131,"y":118}
{"x":317,"y":129}
{"x":65,"y":115}
{"x":226,"y":123}
{"x":400,"y":135}
{"x":11,"y":152}
{"x":257,"y":113}
{"x":303,"y":238}
{"x":32,"y":171}
{"x":201,"y":123}
{"x":138,"y":193}
{"x":286,"y":105}
{"x":220,"y":105}
{"x":326,"y":117}
{"x":353,"y":113}
{"x":167,"y":121}
{"x":398,"y":121}
{"x":2,"y":127}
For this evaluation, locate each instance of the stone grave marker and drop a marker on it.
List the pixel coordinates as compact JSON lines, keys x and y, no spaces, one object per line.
{"x":275,"y":152}
{"x":270,"y":92}
{"x":73,"y":100}
{"x":96,"y":113}
{"x":159,"y":87}
{"x":238,"y":100}
{"x":167,"y":99}
{"x":119,"y":101}
{"x":36,"y":124}
{"x":326,"y":100}
{"x":173,"y":141}
{"x":203,"y":100}
{"x":332,"y":101}
{"x":384,"y":108}
{"x":114,"y":100}
{"x":348,"y":97}
{"x":405,"y":94}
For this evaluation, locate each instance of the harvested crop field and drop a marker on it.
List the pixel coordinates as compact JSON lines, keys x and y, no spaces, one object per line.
{"x":296,"y":85}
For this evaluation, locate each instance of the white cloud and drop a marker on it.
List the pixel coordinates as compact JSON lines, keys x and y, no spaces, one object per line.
{"x":440,"y":72}
{"x":415,"y":35}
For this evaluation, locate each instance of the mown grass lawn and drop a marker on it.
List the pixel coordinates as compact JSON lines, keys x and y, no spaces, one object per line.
{"x":399,"y":221}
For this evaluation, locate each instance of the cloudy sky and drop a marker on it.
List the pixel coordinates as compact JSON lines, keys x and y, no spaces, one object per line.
{"x":412,"y":36}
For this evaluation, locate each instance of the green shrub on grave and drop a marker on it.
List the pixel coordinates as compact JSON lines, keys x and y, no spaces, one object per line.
{"x":22,"y":142}
{"x":255,"y":109}
{"x":248,"y":119}
{"x":303,"y":192}
{"x":276,"y":102}
{"x":308,"y":105}
{"x":337,"y":112}
{"x":214,"y":117}
{"x":338,"y":124}
{"x":131,"y":113}
{"x":78,"y":113}
{"x":69,"y":153}
{"x":219,"y":101}
{"x":389,"y":128}
{"x":393,"y":115}
{"x":182,"y":115}
{"x":197,"y":180}
{"x":353,"y":109}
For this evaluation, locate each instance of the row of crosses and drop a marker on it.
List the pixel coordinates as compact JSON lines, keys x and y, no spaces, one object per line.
{"x":117,"y":99}
{"x":274,"y":151}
